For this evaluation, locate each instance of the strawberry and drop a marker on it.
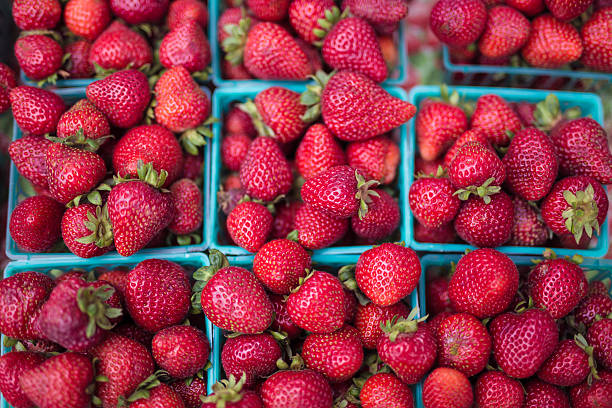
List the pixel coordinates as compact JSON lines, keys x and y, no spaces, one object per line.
{"x":35,"y":222}
{"x":280,"y":264}
{"x":231,"y":395}
{"x":274,"y":10}
{"x":316,"y":305}
{"x":458,"y":23}
{"x":376,"y":158}
{"x":484,"y":283}
{"x":147,"y":11}
{"x":432,"y":201}
{"x":238,"y":121}
{"x":597,"y":51}
{"x":318,"y":151}
{"x":575,"y":205}
{"x":118,"y":47}
{"x":304,"y":16}
{"x":582,"y":149}
{"x":447,"y":388}
{"x":234,"y":148}
{"x":8,"y":81}
{"x":494,"y":117}
{"x":597,"y":287}
{"x":284,"y":220}
{"x":337,"y":356}
{"x":552,"y":43}
{"x":157,"y":294}
{"x":39,"y":56}
{"x":376,"y":12}
{"x":181,"y":350}
{"x":494,"y":389}
{"x":152,"y":144}
{"x":265,"y":172}
{"x":528,"y":228}
{"x":36,"y":15}
{"x":506,"y":31}
{"x":86,"y":230}
{"x":61,"y":381}
{"x":160,"y":396}
{"x":251,"y":355}
{"x":249,"y":225}
{"x":234,"y":23}
{"x":187,"y":46}
{"x":21,"y":296}
{"x":182,"y":11}
{"x":13,"y":365}
{"x":247,"y":308}
{"x":78,"y":65}
{"x":593,"y":394}
{"x":83,"y":117}
{"x":317,"y":229}
{"x":531,"y":164}
{"x":591,"y":307}
{"x":36,"y":110}
{"x":382,"y":219}
{"x":567,"y":10}
{"x":436,"y":296}
{"x":540,"y":394}
{"x":303,"y":388}
{"x":486,"y":225}
{"x":118,"y":279}
{"x":188,"y":207}
{"x":567,"y":366}
{"x":476,"y":169}
{"x":190,"y":390}
{"x":599,"y":337}
{"x":87,"y":18}
{"x":193,"y":167}
{"x":29,"y":153}
{"x":282,"y":322}
{"x":110,"y":96}
{"x":527,"y":7}
{"x":349,"y":303}
{"x":385,"y":390}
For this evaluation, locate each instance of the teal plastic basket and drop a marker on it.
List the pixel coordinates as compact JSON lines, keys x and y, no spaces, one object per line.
{"x":71,"y":95}
{"x":523,"y":77}
{"x":215,"y":8}
{"x":193,"y":261}
{"x":590,"y":104}
{"x":222,"y":98}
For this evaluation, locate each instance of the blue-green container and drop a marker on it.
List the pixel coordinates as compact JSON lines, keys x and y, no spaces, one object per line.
{"x":193,"y":261}
{"x":523,"y":77}
{"x":215,"y":9}
{"x":590,"y":104}
{"x":60,"y":83}
{"x":222,"y":98}
{"x":71,"y":95}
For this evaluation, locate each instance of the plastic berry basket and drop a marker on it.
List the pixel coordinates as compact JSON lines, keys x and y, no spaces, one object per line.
{"x":590,"y":104}
{"x":222,"y":98}
{"x":417,"y":299}
{"x":215,"y":9}
{"x":523,"y":77}
{"x":60,"y":83}
{"x":16,"y":194}
{"x":192,"y":261}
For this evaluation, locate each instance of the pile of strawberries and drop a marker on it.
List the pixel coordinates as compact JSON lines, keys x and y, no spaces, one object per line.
{"x":538,"y":33}
{"x":508,"y":174}
{"x":87,"y":38}
{"x":291,"y":40}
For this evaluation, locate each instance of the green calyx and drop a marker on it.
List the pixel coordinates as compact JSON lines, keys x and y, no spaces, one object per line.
{"x":100,"y":227}
{"x":297,"y":363}
{"x":234,"y":44}
{"x":582,"y":343}
{"x":302,"y":280}
{"x":365,"y":193}
{"x":183,"y":240}
{"x":94,"y":196}
{"x":397,"y":325}
{"x":90,"y":301}
{"x":581,"y":216}
{"x":226,"y":391}
{"x":548,"y":113}
{"x":346,"y":274}
{"x":332,"y":16}
{"x":142,"y":391}
{"x":485,"y":191}
{"x":146,"y":173}
{"x":311,"y":98}
{"x":202,"y":275}
{"x":193,"y":139}
{"x":441,"y":172}
{"x":262,"y":128}
{"x":79,"y":140}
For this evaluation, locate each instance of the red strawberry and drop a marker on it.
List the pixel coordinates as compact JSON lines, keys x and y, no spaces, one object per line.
{"x":528,"y":228}
{"x":265,"y":172}
{"x":438,"y":124}
{"x":282,"y":321}
{"x":61,"y":381}
{"x":160,"y":396}
{"x":193,"y":167}
{"x":567,"y":10}
{"x":234,"y":23}
{"x":249,"y":225}
{"x":318,"y":151}
{"x":506,"y":31}
{"x":590,"y":307}
{"x":484,"y":283}
{"x":7,"y":82}
{"x":187,"y":46}
{"x":494,"y":389}
{"x":284,"y":221}
{"x":476,"y":169}
{"x":575,"y":205}
{"x":36,"y":110}
{"x":238,"y":121}
{"x":35,"y":223}
{"x":122,"y":97}
{"x":369,"y":318}
{"x":376,"y":158}
{"x":13,"y":365}
{"x":86,"y":230}
{"x":527,"y":7}
{"x":181,"y":350}
{"x":376,"y":12}
{"x":143,"y":11}
{"x":486,"y":225}
{"x":234,"y":148}
{"x":567,"y":366}
{"x":382,"y":219}
{"x":251,"y":355}
{"x":29,"y":153}
{"x":436,"y":295}
{"x":458,"y":23}
{"x":182,"y":11}
{"x":526,"y":112}
{"x":596,"y":394}
{"x":191,"y":389}
{"x":188,"y":207}
{"x":582,"y":149}
{"x":494,"y":117}
{"x":118,"y":47}
{"x":280,"y":264}
{"x":316,"y":305}
{"x":230,"y":394}
{"x":599,"y":337}
{"x":447,"y":388}
{"x":118,"y":279}
{"x":597,"y":51}
{"x":87,"y":18}
{"x":39,"y":57}
{"x":304,"y":16}
{"x":385,"y":390}
{"x":36,"y":15}
{"x":78,"y":65}
{"x":432,"y":201}
{"x":552,"y":43}
{"x":317,"y":229}
{"x":274,"y":10}
{"x":84,"y":117}
{"x":349,"y":303}
{"x":541,"y":394}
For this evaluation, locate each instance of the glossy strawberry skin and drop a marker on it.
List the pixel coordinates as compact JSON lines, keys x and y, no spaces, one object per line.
{"x":280,"y":264}
{"x":528,"y":229}
{"x":599,"y":393}
{"x":381,"y":220}
{"x":275,"y":10}
{"x":13,"y":365}
{"x":296,"y":389}
{"x":304,"y":17}
{"x":282,"y":321}
{"x":252,"y":354}
{"x":284,"y":220}
{"x":438,"y":125}
{"x":436,"y":296}
{"x":317,"y":229}
{"x":318,"y":151}
{"x":87,"y":18}
{"x":376,"y":158}
{"x":494,"y":117}
{"x":590,"y":307}
{"x":35,"y":110}
{"x":541,"y":394}
{"x":238,"y":121}
{"x":188,"y":207}
{"x":190,"y":394}
{"x":385,"y":389}
{"x":138,"y":12}
{"x":506,"y":31}
{"x":567,"y":10}
{"x":29,"y":153}
{"x":181,"y":350}
{"x":35,"y":223}
{"x":458,"y":23}
{"x":474,"y":164}
{"x":83,"y":115}
{"x":36,"y":15}
{"x":486,"y":225}
{"x":187,"y":46}
{"x":552,"y":43}
{"x":249,"y":225}
{"x":78,"y":66}
{"x":567,"y":366}
{"x":472,"y":135}
{"x":495,"y":389}
{"x":597,"y":52}
{"x":446,"y":387}
{"x":281,"y":110}
{"x":160,"y":396}
{"x":39,"y":56}
{"x":234,"y":148}
{"x":118,"y":46}
{"x":181,"y":11}
{"x":73,"y":228}
{"x":599,"y":337}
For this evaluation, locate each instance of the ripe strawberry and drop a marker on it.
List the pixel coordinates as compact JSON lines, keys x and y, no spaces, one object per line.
{"x":494,"y":117}
{"x":316,"y":305}
{"x":157,"y":294}
{"x":35,"y":223}
{"x":87,"y":18}
{"x":476,"y":169}
{"x":540,"y":394}
{"x":494,"y":389}
{"x":234,"y":23}
{"x":84,"y":117}
{"x":438,"y":124}
{"x":118,"y":279}
{"x":596,"y":394}
{"x":28,"y":153}
{"x":160,"y":396}
{"x":317,"y":229}
{"x":251,"y":355}
{"x":118,"y":47}
{"x":249,"y":225}
{"x":265,"y":173}
{"x":86,"y":230}
{"x":597,"y":51}
{"x":432,"y":201}
{"x":567,"y":366}
{"x":61,"y":381}
{"x":506,"y":31}
{"x":190,"y":390}
{"x":575,"y":205}
{"x":36,"y":15}
{"x":382,"y":219}
{"x":13,"y":365}
{"x":385,"y":390}
{"x":188,"y":207}
{"x":349,"y":304}
{"x":231,"y":395}
{"x":378,"y":13}
{"x":486,"y":225}
{"x":318,"y":151}
{"x":567,"y":10}
{"x":275,"y":10}
{"x":187,"y":46}
{"x":484,"y":283}
{"x":303,"y":388}
{"x":375,"y":158}
{"x":238,"y":121}
{"x":78,"y":65}
{"x":447,"y":388}
{"x":39,"y":56}
{"x":528,"y":228}
{"x":590,"y":307}
{"x":181,"y":350}
{"x":36,"y":110}
{"x":8,"y":81}
{"x":182,"y":11}
{"x":552,"y":43}
{"x":582,"y":149}
{"x":193,"y":167}
{"x":284,"y":221}
{"x":144,"y":11}
{"x":280,"y":264}
{"x":436,"y":295}
{"x":599,"y":337}
{"x":458,"y":23}
{"x":304,"y":16}
{"x":110,"y":96}
{"x":234,"y":148}
{"x":527,"y":7}
{"x":282,"y":322}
